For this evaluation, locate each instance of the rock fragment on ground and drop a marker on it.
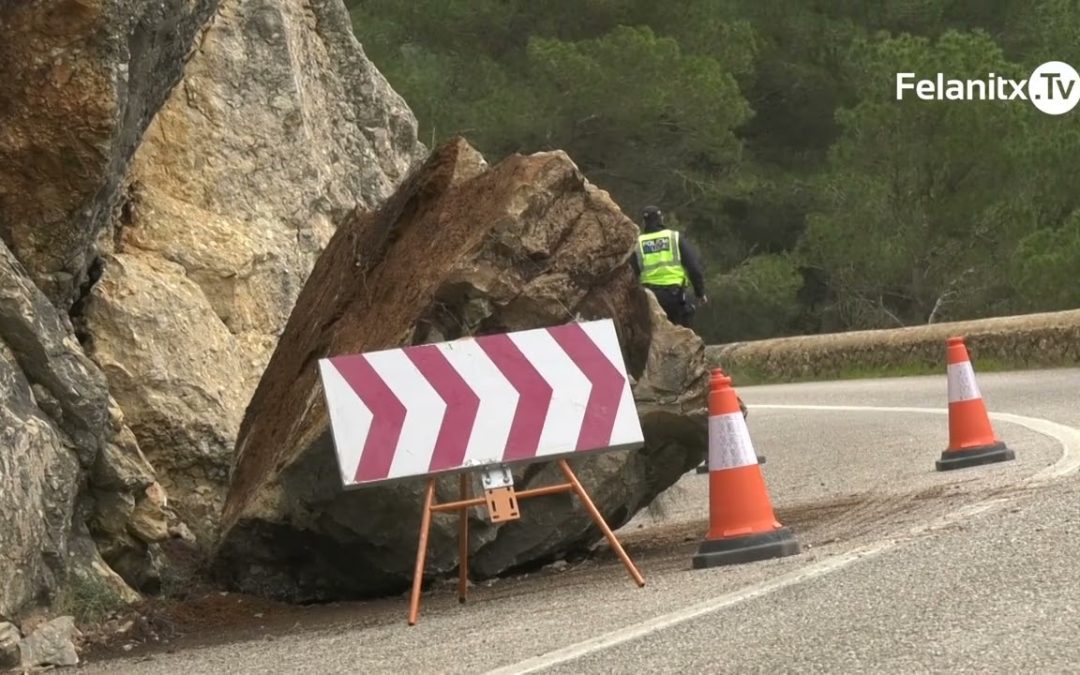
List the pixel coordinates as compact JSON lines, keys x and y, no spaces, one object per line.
{"x":51,"y":644}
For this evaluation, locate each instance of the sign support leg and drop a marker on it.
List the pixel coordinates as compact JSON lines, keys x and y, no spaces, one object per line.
{"x":463,"y":542}
{"x":501,"y":500}
{"x":599,"y":520}
{"x":421,"y":552}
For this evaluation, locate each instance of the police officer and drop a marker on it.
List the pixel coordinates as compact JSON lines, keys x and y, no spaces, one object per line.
{"x":665,"y":263}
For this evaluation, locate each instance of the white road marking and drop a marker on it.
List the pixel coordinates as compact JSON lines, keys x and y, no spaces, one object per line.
{"x":1069,"y":462}
{"x":1068,"y":437}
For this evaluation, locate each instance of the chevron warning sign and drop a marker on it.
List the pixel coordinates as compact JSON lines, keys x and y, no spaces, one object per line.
{"x":528,"y":395}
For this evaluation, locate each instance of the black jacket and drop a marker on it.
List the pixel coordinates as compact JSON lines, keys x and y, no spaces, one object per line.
{"x":690,"y":262}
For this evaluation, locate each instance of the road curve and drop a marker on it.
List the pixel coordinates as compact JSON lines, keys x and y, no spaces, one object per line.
{"x":904,"y":569}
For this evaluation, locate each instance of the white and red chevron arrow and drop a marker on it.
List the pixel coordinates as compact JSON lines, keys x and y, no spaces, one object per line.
{"x":480,"y":401}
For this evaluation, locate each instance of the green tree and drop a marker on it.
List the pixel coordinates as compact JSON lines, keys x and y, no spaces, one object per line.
{"x":1048,"y":266}
{"x":1042,"y":205}
{"x":758,"y":298}
{"x":642,"y":118}
{"x":769,"y":131}
{"x":907,"y":232}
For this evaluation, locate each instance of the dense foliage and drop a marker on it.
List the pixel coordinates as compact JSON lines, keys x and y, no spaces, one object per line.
{"x":770,"y":133}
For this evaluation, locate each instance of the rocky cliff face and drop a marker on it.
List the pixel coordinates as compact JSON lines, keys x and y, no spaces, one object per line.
{"x":169,"y":172}
{"x":278,"y":127}
{"x":459,"y":250}
{"x":82,"y":80}
{"x":56,"y":431}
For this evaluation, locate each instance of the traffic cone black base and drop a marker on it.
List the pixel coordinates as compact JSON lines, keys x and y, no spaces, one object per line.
{"x":778,"y":543}
{"x":987,"y":454}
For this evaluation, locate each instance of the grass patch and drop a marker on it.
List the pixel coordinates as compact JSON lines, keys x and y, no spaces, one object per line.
{"x":89,"y":599}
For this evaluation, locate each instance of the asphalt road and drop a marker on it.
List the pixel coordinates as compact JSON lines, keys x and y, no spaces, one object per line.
{"x":904,"y":569}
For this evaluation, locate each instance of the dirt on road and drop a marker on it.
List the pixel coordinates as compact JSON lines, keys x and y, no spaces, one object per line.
{"x":659,"y":544}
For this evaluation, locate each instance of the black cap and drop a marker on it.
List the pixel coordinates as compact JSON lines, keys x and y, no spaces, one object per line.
{"x":653,"y":218}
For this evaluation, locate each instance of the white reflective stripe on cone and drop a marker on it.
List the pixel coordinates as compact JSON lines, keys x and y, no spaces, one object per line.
{"x":729,"y":442}
{"x":962,"y":385}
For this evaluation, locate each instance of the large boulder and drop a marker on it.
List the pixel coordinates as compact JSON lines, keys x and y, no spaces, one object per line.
{"x":460,"y":249}
{"x":52,"y":644}
{"x":278,"y":127}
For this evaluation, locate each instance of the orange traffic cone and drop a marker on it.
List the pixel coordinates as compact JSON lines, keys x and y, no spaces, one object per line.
{"x":742,"y":525}
{"x":972,"y":440}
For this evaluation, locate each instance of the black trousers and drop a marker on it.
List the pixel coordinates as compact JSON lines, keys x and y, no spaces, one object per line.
{"x":676,"y":304}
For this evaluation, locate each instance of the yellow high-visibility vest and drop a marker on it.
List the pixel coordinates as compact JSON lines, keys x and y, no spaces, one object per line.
{"x":659,"y":260}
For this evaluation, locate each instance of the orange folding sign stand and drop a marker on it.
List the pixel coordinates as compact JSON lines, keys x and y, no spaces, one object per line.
{"x":501,"y":501}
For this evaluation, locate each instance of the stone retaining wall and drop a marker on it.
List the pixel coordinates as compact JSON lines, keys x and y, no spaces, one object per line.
{"x":1033,"y":340}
